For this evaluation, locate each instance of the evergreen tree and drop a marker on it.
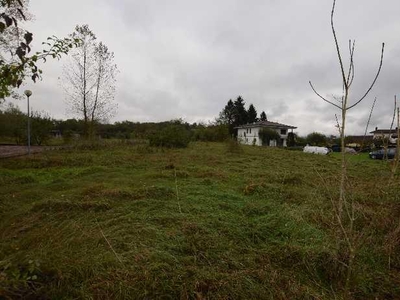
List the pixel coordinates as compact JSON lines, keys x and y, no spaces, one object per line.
{"x":226,"y":116}
{"x":263,"y":116}
{"x":240,"y":112}
{"x":252,"y":114}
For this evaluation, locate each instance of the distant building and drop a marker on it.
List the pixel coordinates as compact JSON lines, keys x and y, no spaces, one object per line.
{"x":249,"y":134}
{"x":390,"y":134}
{"x":56,"y":134}
{"x":356,"y":141}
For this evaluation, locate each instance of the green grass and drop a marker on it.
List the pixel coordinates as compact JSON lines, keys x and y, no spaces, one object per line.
{"x":352,"y":157}
{"x":206,"y":222}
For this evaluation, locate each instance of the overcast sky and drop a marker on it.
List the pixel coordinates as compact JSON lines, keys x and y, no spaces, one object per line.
{"x":186,"y":59}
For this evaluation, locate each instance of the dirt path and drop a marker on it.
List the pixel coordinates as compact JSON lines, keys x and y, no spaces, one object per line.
{"x":11,"y":150}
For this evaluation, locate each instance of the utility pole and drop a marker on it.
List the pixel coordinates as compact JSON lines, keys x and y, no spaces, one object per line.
{"x":28,"y":93}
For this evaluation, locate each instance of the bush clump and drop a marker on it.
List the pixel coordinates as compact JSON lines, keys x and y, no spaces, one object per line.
{"x":211,"y":133}
{"x":171,"y":136}
{"x":316,"y":139}
{"x":266,"y":135}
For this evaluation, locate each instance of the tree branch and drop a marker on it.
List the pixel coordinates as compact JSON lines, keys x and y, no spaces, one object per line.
{"x":326,"y":100}
{"x":368,"y":121}
{"x":337,"y":45}
{"x":351,"y":67}
{"x":373,"y":82}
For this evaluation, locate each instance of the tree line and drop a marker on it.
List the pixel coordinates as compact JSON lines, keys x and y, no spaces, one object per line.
{"x":13,"y":124}
{"x":235,"y":114}
{"x":44,"y":129}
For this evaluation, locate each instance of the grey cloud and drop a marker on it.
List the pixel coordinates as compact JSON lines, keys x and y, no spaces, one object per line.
{"x":186,"y":59}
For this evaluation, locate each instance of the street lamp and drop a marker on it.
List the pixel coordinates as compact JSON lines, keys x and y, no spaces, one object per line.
{"x":28,"y":93}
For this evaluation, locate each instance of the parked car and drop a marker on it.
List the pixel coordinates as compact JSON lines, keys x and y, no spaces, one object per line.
{"x":380,"y":154}
{"x":335,"y":148}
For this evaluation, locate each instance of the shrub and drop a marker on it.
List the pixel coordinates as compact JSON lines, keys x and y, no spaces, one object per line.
{"x":41,"y":127}
{"x":316,"y":139}
{"x":267,"y":135}
{"x":171,"y":136}
{"x":291,"y":139}
{"x":67,"y":136}
{"x":212,"y":133}
{"x":300,"y":141}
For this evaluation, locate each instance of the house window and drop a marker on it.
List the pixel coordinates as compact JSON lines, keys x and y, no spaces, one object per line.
{"x":244,"y":133}
{"x":283,"y":131}
{"x":250,"y":130}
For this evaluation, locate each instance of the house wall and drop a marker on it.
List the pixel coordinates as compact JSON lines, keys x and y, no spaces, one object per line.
{"x":392,"y":140}
{"x":249,"y":136}
{"x":380,"y":135}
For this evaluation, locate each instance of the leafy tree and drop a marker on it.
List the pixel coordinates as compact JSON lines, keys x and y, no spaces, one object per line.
{"x":263,"y":116}
{"x":71,"y":125}
{"x":41,"y":127}
{"x":122,"y":130}
{"x":13,"y":124}
{"x":300,"y":140}
{"x":15,"y":60}
{"x":90,"y":80}
{"x":316,"y":139}
{"x":266,"y":135}
{"x":252,"y":114}
{"x":12,"y":36}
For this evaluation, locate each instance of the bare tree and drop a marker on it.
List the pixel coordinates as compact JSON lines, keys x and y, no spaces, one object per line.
{"x":367,"y":125}
{"x":344,"y":207}
{"x":89,"y":80}
{"x":384,"y":140}
{"x":396,"y":112}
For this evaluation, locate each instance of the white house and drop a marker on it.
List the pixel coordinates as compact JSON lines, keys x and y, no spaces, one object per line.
{"x":248,"y":134}
{"x":390,"y":134}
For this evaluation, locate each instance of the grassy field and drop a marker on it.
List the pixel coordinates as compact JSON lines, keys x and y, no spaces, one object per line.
{"x":212,"y":221}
